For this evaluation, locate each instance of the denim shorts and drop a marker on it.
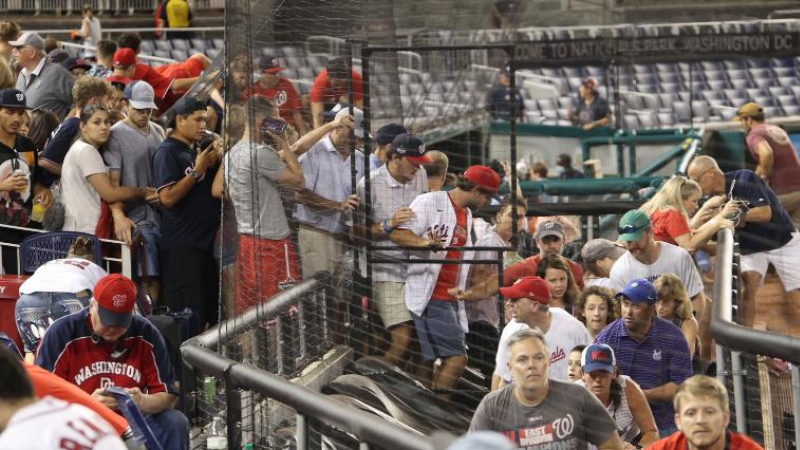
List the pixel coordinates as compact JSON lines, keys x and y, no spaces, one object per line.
{"x":439,"y":332}
{"x":148,"y":255}
{"x":35,"y":312}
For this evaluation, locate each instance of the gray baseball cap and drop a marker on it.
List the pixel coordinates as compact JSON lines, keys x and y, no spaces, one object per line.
{"x":29,"y":38}
{"x":140,"y":95}
{"x":597,"y":249}
{"x":550,"y":228}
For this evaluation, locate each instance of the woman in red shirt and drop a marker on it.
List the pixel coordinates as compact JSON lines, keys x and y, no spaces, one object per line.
{"x":676,"y":218}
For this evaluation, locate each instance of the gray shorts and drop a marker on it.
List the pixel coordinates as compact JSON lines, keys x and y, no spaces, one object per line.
{"x":390,"y":297}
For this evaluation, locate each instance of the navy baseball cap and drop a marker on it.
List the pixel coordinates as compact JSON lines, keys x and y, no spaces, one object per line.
{"x":12,"y":98}
{"x":188,"y":105}
{"x":386,"y":134}
{"x":76,"y":63}
{"x":411,"y":147}
{"x":598,"y":357}
{"x":640,"y":291}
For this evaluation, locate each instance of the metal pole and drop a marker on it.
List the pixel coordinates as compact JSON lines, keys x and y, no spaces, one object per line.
{"x":301,"y":433}
{"x":738,"y":392}
{"x":722,"y":370}
{"x":796,"y":401}
{"x":234,"y":411}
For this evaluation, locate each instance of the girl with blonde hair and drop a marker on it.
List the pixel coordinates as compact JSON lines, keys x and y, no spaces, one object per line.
{"x":676,"y":218}
{"x":674,"y":305}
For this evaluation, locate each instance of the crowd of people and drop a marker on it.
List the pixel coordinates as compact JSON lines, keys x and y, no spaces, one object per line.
{"x":606,"y":350}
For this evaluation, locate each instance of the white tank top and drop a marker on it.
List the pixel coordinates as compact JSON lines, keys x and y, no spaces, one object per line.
{"x":622,"y":414}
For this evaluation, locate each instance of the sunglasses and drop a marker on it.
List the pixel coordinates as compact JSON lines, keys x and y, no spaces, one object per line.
{"x":628,"y":229}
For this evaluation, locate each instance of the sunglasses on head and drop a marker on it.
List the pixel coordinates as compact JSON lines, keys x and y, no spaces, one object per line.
{"x":628,"y":229}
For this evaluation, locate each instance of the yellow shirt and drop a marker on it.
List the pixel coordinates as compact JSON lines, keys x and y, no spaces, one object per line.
{"x":178,"y":13}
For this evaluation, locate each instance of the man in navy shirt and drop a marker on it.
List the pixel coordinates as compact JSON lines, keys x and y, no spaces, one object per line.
{"x":766,"y":233}
{"x":652,"y":351}
{"x":183,"y":177}
{"x":501,"y":99}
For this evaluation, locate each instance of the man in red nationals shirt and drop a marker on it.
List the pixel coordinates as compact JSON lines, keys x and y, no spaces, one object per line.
{"x":702,"y":417}
{"x":331,"y":87}
{"x":106,"y":345}
{"x":280,"y":91}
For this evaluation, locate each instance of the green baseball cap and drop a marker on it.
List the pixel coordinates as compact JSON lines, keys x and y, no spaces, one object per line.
{"x":633,"y":225}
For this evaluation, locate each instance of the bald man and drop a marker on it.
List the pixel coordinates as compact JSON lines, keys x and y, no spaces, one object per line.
{"x":766,"y":234}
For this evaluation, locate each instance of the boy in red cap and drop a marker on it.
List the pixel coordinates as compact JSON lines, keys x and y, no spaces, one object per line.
{"x":443,"y":219}
{"x":106,"y":345}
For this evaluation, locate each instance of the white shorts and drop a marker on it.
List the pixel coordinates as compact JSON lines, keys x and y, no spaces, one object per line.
{"x":785,"y":259}
{"x":391,"y":300}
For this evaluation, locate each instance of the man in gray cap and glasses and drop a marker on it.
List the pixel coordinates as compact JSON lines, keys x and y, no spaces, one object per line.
{"x":549,"y":238}
{"x":599,"y":256}
{"x":47,"y":85}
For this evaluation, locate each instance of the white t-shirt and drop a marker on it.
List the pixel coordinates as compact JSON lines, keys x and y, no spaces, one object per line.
{"x":52,"y":424}
{"x":602,"y":282}
{"x":564,"y":334}
{"x":81,"y":202}
{"x":64,"y":275}
{"x":672,"y":259}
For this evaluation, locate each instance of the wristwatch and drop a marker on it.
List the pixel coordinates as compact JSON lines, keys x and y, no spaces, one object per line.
{"x":386,"y":227}
{"x":194,"y":174}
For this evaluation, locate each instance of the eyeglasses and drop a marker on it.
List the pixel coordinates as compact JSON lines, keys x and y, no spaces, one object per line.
{"x":628,"y":229}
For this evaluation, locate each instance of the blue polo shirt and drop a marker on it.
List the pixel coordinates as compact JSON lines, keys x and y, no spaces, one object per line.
{"x":662,"y":356}
{"x":194,"y":220}
{"x":757,"y":237}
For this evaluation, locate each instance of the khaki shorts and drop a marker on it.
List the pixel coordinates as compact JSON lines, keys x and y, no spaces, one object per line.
{"x":390,"y":297}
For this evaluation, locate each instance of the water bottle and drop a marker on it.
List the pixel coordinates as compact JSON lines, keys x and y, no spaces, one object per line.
{"x":216,"y":438}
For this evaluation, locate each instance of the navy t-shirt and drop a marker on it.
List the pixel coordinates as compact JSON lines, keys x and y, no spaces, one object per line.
{"x":500,"y":102}
{"x":759,"y":236}
{"x":194,"y":220}
{"x":57,"y":147}
{"x":592,"y":112}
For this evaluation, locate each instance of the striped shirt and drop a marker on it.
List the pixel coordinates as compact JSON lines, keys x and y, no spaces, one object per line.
{"x":661,"y":357}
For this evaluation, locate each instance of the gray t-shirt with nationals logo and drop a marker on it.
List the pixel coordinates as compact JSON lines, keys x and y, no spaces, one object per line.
{"x":568,"y":419}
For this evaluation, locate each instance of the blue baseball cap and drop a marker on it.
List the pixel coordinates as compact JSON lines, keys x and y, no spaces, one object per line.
{"x":598,"y":357}
{"x":640,"y":291}
{"x":14,"y":99}
{"x":411,"y":147}
{"x":386,"y":134}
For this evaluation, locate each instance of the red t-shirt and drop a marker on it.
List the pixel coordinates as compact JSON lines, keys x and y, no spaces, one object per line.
{"x":48,"y":383}
{"x":733,"y":441}
{"x":322,"y":91}
{"x":283,"y":94}
{"x":529,"y":266}
{"x":668,"y":225}
{"x":785,"y":177}
{"x":190,"y":68}
{"x":448,"y":276}
{"x":159,"y":82}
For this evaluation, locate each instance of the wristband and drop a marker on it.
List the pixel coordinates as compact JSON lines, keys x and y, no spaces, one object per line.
{"x":386,"y":227}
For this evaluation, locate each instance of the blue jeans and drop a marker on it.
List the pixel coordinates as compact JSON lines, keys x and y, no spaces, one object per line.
{"x":35,"y":312}
{"x":171,"y":429}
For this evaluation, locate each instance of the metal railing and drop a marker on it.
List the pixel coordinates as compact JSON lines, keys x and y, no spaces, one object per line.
{"x":124,"y":261}
{"x":252,"y":390}
{"x":749,"y":380}
{"x":69,"y":7}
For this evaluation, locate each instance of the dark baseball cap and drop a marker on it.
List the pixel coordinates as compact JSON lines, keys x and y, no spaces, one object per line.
{"x":598,"y":357}
{"x":268,"y":64}
{"x":75,"y":63}
{"x":386,"y":134}
{"x":411,"y":147}
{"x":13,"y":99}
{"x":188,"y":105}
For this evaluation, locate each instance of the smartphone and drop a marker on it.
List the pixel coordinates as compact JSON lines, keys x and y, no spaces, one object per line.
{"x":274,"y":126}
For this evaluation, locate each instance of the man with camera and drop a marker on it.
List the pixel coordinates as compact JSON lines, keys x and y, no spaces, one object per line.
{"x":183,"y":172}
{"x":766,"y":233}
{"x":105,"y":345}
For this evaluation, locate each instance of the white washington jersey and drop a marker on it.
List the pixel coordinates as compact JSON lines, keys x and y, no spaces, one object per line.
{"x":52,"y":424}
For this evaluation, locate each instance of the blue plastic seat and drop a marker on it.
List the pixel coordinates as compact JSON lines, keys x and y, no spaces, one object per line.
{"x":39,"y":249}
{"x":142,"y":433}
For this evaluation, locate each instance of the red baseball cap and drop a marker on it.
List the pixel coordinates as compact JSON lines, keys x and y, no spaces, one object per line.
{"x":116,"y":297}
{"x":483,"y":177}
{"x":534,"y":288}
{"x":124,"y":57}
